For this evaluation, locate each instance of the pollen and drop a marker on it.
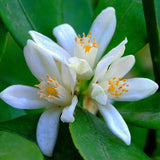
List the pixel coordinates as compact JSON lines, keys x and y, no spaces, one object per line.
{"x":86,"y":43}
{"x":48,"y":88}
{"x":52,"y":91}
{"x":87,"y":48}
{"x":117,"y":87}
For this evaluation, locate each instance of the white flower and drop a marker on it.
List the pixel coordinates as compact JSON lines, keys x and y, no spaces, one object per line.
{"x":80,"y":53}
{"x":55,"y":93}
{"x":108,"y":84}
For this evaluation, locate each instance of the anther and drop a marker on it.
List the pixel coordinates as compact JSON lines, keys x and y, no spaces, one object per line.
{"x":43,"y":90}
{"x":47,"y":76}
{"x":50,"y":80}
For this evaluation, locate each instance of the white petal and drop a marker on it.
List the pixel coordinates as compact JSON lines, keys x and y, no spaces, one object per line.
{"x":115,"y":122}
{"x":40,"y":62}
{"x":103,"y":29}
{"x":139,"y":88}
{"x":65,"y":35}
{"x":48,"y":44}
{"x":120,"y":67}
{"x":67,"y":113}
{"x":81,"y":67}
{"x":23,"y":97}
{"x":68,"y":77}
{"x":47,"y":130}
{"x":118,"y":51}
{"x":102,"y":68}
{"x":98,"y":94}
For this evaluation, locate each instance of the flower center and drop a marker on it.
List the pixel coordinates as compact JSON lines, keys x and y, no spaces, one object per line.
{"x":48,"y":89}
{"x":117,"y":87}
{"x":85,"y":42}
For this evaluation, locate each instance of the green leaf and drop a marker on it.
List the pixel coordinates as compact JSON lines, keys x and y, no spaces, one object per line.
{"x":78,"y":14}
{"x":7,"y":112}
{"x":139,"y":135}
{"x":14,"y":147}
{"x":94,"y":141}
{"x":20,"y":16}
{"x":143,"y":113}
{"x":26,"y":127}
{"x":3,"y":38}
{"x":130,"y":23}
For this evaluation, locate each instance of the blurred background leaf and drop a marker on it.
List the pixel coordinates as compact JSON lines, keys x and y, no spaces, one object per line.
{"x":3,"y":38}
{"x":15,"y":147}
{"x":20,"y":16}
{"x":94,"y":141}
{"x":78,"y":14}
{"x":26,"y":127}
{"x":143,"y":113}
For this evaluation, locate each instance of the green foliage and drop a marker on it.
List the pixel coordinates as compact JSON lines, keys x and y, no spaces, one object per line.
{"x":26,"y":127}
{"x":14,"y":147}
{"x":3,"y":38}
{"x":20,"y":16}
{"x":143,"y":113}
{"x":79,"y":18}
{"x":94,"y":141}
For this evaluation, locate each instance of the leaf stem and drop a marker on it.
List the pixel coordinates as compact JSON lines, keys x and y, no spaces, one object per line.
{"x":153,"y":35}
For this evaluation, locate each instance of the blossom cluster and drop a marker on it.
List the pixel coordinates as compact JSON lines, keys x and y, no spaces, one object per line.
{"x":73,"y":66}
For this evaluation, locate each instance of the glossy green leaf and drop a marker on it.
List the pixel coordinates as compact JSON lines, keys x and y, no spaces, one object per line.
{"x":94,"y":141}
{"x":143,"y":113}
{"x":26,"y":127}
{"x":15,"y":147}
{"x":3,"y":38}
{"x":78,"y":14}
{"x":130,"y":23}
{"x":20,"y":16}
{"x":15,"y":20}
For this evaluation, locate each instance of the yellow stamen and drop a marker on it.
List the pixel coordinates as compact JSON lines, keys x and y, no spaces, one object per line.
{"x":87,"y":48}
{"x":111,"y":88}
{"x":85,"y":42}
{"x":116,"y":87}
{"x":52,"y":91}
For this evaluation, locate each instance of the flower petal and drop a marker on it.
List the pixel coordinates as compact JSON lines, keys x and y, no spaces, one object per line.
{"x":81,"y":67}
{"x":67,"y":113}
{"x":139,"y":88}
{"x":120,"y":67}
{"x":65,"y":35}
{"x":47,"y":130}
{"x":101,"y":68}
{"x":40,"y":62}
{"x":68,"y":77}
{"x":115,"y":122}
{"x":103,"y":29}
{"x":118,"y":51}
{"x":23,"y":97}
{"x":48,"y":44}
{"x":98,"y":94}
